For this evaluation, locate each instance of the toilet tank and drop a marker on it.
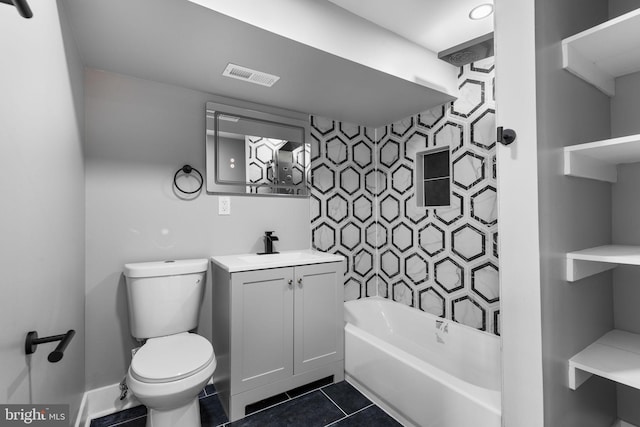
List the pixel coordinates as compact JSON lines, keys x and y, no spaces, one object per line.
{"x":165,"y":296}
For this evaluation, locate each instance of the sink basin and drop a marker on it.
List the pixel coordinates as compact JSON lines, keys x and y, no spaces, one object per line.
{"x":247,"y":262}
{"x":282,"y":257}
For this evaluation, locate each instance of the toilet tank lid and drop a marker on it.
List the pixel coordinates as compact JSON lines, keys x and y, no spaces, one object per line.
{"x":165,"y":268}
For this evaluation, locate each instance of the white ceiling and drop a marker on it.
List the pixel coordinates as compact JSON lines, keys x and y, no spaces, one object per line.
{"x":434,"y":24}
{"x":181,"y":43}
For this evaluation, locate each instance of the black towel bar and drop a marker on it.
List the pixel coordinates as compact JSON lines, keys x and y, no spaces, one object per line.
{"x":32,"y":342}
{"x":21,"y":5}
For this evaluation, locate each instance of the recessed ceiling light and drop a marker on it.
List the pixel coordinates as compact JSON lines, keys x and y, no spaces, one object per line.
{"x":481,"y":12}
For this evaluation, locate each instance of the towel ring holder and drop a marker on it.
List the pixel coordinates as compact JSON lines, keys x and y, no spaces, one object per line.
{"x":187,"y":169}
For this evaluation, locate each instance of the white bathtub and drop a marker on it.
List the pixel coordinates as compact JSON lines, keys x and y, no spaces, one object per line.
{"x":424,"y":370}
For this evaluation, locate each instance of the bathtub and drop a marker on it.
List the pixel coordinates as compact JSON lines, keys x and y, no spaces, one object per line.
{"x":425,"y":371}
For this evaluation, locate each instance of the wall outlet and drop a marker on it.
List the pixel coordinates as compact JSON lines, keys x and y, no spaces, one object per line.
{"x":224,"y":205}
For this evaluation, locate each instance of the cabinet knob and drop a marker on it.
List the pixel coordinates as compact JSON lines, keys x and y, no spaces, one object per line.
{"x":290,"y":282}
{"x":300,"y":281}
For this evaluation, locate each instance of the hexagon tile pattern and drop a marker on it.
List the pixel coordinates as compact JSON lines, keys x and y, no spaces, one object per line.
{"x":455,"y":242}
{"x":443,"y":261}
{"x":260,"y":157}
{"x":344,"y":213}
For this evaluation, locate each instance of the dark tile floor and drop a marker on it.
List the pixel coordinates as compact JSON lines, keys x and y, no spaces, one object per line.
{"x":316,"y":405}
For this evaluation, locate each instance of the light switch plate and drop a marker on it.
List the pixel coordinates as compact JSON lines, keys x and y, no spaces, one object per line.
{"x":224,"y":205}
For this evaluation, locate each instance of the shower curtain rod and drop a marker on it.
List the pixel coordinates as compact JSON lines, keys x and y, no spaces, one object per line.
{"x":23,"y":7}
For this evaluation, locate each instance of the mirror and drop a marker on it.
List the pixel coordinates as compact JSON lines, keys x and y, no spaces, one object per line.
{"x":257,"y":153}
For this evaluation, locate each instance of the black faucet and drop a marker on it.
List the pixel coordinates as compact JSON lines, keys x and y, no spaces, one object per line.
{"x":269,"y":238}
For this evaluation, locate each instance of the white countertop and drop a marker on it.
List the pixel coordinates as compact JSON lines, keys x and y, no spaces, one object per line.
{"x":247,"y":262}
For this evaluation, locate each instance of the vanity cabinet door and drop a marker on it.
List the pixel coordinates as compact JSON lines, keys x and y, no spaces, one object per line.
{"x":261,"y":327}
{"x":318,"y":315}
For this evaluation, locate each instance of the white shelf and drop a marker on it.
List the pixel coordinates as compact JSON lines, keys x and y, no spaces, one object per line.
{"x":615,"y":355}
{"x":587,"y":262}
{"x":602,"y":53}
{"x":599,"y":160}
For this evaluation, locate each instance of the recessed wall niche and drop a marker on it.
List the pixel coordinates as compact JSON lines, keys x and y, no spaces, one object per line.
{"x":433,"y":178}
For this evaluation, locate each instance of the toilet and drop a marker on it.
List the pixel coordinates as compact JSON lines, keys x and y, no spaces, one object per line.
{"x":173,"y":365}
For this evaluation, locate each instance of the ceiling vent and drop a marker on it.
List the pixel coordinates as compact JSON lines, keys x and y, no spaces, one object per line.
{"x":249,"y":75}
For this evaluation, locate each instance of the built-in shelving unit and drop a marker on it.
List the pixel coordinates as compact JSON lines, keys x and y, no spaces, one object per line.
{"x":602,"y":53}
{"x":599,"y":160}
{"x":616,"y":356}
{"x":599,"y":55}
{"x":587,"y":262}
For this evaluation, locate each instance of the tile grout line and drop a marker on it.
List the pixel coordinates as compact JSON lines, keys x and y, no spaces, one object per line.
{"x":268,"y":407}
{"x":332,"y":401}
{"x":126,"y":421}
{"x":366,"y":407}
{"x":305,"y":393}
{"x":289,"y":399}
{"x":350,"y":415}
{"x":293,"y":398}
{"x":333,"y":423}
{"x":206,"y":395}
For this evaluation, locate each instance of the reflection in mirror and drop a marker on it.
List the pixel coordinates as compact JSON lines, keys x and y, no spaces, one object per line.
{"x":255,"y":152}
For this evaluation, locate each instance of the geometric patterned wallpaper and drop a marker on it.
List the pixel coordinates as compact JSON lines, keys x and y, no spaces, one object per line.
{"x":443,"y":261}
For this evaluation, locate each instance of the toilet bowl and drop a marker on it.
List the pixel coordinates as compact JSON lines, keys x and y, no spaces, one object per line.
{"x":173,"y":365}
{"x":167,"y":374}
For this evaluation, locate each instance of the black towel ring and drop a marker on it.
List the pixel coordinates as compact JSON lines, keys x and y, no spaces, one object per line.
{"x":187,"y":169}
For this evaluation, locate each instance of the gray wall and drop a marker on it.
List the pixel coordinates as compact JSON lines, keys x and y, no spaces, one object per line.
{"x":42,"y":214}
{"x":138,"y":133}
{"x":574,"y":214}
{"x":618,"y":7}
{"x":625,"y":120}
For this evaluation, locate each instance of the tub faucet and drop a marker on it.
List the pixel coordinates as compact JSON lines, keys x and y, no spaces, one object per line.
{"x":269,"y":238}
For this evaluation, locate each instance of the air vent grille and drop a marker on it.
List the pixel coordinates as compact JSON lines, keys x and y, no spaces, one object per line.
{"x":248,"y":75}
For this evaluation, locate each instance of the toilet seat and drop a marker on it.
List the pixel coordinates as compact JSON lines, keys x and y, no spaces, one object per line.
{"x":171,"y":358}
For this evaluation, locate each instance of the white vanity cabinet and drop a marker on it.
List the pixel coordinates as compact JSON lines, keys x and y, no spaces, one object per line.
{"x":278,"y":324}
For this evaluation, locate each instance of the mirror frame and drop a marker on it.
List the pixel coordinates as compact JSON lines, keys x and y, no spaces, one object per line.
{"x":274,"y":116}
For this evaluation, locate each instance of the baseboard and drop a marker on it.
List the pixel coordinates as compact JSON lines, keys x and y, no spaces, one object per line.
{"x":620,"y":423}
{"x":102,"y":401}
